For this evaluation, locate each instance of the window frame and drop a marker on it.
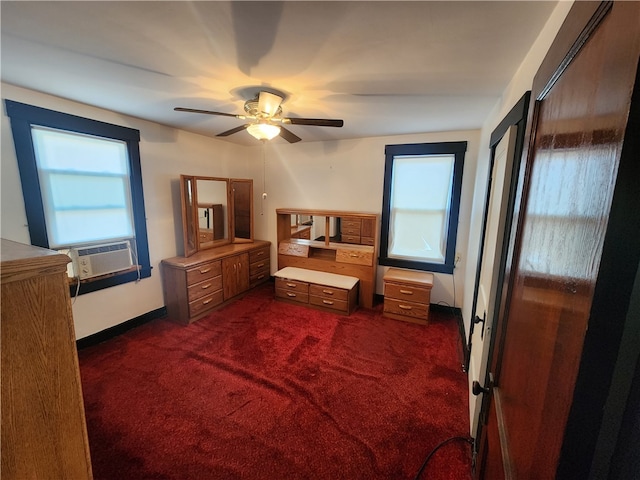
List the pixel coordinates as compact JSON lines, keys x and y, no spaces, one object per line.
{"x":458,"y":150}
{"x":22,"y":117}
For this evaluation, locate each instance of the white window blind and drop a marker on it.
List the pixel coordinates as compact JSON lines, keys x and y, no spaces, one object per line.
{"x":419,"y":209}
{"x":85,"y":187}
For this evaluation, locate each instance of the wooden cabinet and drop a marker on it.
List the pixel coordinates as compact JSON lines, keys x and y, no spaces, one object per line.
{"x":43,"y":423}
{"x":407,"y":295}
{"x":235,"y":275}
{"x":194,"y":286}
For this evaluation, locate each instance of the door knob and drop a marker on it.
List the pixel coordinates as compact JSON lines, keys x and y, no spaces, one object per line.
{"x":477,"y":389}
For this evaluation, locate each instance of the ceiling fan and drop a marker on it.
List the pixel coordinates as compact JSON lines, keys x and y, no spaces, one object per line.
{"x":265,"y":113}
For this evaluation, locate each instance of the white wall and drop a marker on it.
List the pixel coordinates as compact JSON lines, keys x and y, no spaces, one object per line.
{"x":520,"y":83}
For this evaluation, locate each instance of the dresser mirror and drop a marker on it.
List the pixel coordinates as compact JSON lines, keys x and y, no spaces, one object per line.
{"x":215,"y":211}
{"x":339,"y":229}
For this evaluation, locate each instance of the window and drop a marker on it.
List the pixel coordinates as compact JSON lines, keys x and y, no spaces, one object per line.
{"x":82,"y":185}
{"x":421,"y":200}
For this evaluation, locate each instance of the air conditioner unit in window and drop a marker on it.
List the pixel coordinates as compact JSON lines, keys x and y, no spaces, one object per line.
{"x":95,"y":260}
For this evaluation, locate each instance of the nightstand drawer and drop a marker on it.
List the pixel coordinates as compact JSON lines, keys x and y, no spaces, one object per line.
{"x":414,"y":310}
{"x":410,"y":293}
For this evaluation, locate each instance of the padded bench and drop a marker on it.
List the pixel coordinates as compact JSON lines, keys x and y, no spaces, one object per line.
{"x":322,"y":290}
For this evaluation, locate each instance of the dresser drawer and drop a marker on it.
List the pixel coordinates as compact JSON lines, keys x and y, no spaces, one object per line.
{"x":409,"y":293}
{"x":367,"y":241}
{"x":205,"y":303}
{"x":204,"y":288}
{"x":292,"y":286}
{"x":204,"y":272}
{"x":413,"y":310}
{"x":331,"y":303}
{"x":350,"y":222}
{"x":355,"y":231}
{"x":258,"y":266}
{"x":328,"y":292}
{"x":350,"y":239}
{"x":357,"y":257}
{"x":259,"y":255}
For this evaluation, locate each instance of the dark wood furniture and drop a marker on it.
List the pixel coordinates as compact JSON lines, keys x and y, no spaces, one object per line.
{"x":43,"y":423}
{"x":194,"y":286}
{"x":349,"y":259}
{"x":407,"y":295}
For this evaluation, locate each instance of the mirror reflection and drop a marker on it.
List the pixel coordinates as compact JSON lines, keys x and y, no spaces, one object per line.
{"x":340,"y":229}
{"x":212,"y":211}
{"x":215,"y":211}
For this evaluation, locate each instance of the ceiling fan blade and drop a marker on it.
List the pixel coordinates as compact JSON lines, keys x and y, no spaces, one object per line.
{"x":232,"y":131}
{"x":208,"y":112}
{"x":320,"y":122}
{"x":268,"y":103}
{"x":289,"y":136}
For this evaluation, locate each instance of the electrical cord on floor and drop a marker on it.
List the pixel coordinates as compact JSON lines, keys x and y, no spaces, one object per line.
{"x":437,"y":447}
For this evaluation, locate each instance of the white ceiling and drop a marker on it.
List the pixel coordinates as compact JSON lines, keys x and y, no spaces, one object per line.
{"x":385,"y":68}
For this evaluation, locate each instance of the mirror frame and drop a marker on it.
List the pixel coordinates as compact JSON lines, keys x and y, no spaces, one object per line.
{"x":189,"y":201}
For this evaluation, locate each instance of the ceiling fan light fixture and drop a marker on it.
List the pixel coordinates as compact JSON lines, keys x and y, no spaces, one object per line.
{"x":263,"y":131}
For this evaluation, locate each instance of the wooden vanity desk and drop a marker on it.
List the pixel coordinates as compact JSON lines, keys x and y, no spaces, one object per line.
{"x":328,"y":255}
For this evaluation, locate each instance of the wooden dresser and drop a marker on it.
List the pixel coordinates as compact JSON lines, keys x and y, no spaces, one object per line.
{"x":194,"y":286}
{"x":407,"y":294}
{"x":43,"y":423}
{"x":338,"y":257}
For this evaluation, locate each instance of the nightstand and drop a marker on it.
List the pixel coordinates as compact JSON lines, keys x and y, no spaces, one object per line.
{"x":407,"y":295}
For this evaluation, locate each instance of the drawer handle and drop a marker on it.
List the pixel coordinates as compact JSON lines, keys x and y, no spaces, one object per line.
{"x":207,"y":301}
{"x":291,"y":285}
{"x":206,"y":270}
{"x":204,"y":287}
{"x":328,"y":292}
{"x":405,"y":307}
{"x":260,"y":277}
{"x":289,"y":294}
{"x":259,"y":254}
{"x":327,"y":302}
{"x":406,"y":292}
{"x":260,"y":265}
{"x":354,"y":255}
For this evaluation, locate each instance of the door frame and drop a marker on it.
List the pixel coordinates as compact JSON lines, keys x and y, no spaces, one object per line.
{"x":517,"y":116}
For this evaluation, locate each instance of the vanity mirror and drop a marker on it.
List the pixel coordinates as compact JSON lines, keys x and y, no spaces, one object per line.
{"x":340,"y":229}
{"x":215,"y":211}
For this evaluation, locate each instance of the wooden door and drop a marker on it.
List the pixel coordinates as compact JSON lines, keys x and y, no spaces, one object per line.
{"x":558,"y":278}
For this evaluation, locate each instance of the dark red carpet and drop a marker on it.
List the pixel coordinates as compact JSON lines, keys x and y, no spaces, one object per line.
{"x":265,"y":390}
